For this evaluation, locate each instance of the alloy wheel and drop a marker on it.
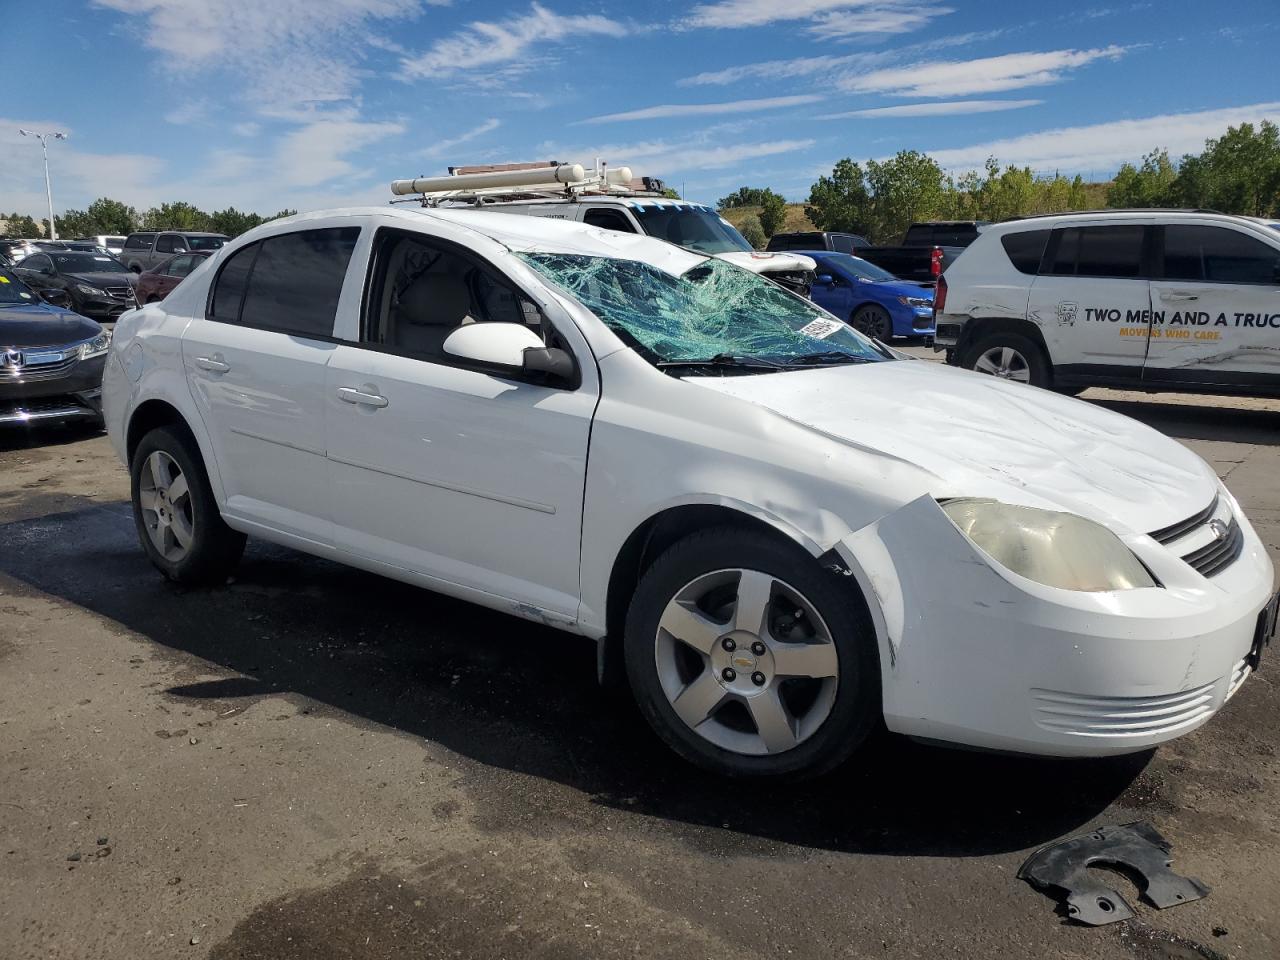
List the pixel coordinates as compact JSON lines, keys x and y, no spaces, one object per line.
{"x":746,"y":661}
{"x":165,"y":499}
{"x":1005,"y":363}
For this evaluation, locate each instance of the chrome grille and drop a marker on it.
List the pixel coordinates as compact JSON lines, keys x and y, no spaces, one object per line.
{"x":1103,"y":717}
{"x":120,"y":293}
{"x":40,"y":363}
{"x":1215,"y":556}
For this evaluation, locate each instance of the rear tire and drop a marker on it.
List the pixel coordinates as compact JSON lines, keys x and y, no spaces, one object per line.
{"x":175,"y":513}
{"x":1009,"y":356}
{"x":874,"y":321}
{"x":792,"y":697}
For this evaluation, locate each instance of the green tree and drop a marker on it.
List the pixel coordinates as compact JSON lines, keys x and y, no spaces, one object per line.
{"x":74,"y":223}
{"x":773,"y":213}
{"x":1148,"y":185}
{"x":908,"y":186}
{"x":1237,"y":173}
{"x":752,"y":231}
{"x":109,"y":216}
{"x":21,"y":226}
{"x":232,"y":222}
{"x":841,"y":201}
{"x":744,"y":197}
{"x":293,"y":213}
{"x":175,"y":216}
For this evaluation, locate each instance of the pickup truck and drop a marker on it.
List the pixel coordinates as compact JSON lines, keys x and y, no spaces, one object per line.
{"x":149,"y":248}
{"x":927,"y":248}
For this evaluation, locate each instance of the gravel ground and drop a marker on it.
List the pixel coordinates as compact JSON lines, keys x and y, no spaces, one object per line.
{"x":313,"y":762}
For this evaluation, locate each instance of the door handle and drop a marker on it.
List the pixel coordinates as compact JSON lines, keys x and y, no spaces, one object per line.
{"x":214,"y":364}
{"x":352,"y":395}
{"x":1177,"y":295}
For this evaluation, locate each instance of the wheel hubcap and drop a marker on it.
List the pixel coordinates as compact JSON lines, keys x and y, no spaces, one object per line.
{"x":1005,"y":363}
{"x":165,"y":499}
{"x":746,"y":662}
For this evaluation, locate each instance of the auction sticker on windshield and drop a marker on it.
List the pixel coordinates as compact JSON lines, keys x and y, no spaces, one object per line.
{"x":821,"y":328}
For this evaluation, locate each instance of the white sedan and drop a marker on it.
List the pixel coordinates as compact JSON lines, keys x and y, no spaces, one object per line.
{"x":790,"y":534}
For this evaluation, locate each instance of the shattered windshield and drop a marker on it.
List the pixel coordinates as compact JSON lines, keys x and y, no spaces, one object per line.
{"x":696,"y":228}
{"x":714,"y":312}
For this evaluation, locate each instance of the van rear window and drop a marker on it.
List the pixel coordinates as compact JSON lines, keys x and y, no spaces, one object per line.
{"x":1025,"y":249}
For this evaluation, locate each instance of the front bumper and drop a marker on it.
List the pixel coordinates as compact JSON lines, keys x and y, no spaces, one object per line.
{"x":67,"y":391}
{"x":973,"y":655}
{"x":105,"y":309}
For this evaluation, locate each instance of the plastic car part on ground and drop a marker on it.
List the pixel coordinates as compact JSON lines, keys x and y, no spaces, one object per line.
{"x":1137,"y":849}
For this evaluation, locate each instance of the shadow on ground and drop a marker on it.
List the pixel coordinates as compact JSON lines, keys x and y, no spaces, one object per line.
{"x":516,"y":696}
{"x":1233,"y":424}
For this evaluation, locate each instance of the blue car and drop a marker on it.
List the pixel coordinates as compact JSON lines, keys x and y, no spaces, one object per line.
{"x":870,"y":299}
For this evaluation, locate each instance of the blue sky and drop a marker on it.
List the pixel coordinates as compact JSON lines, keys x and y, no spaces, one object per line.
{"x":263,"y":104}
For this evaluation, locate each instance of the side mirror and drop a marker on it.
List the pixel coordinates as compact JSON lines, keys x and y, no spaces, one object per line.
{"x":512,"y":346}
{"x":57,"y":298}
{"x":825,"y":279}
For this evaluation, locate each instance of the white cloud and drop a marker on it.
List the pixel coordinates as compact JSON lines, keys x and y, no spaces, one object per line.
{"x":246,"y":129}
{"x":441,"y":147}
{"x":706,"y":109}
{"x":670,"y":159}
{"x":941,"y":108}
{"x":192,"y":111}
{"x":485,"y":44}
{"x":1104,"y":146}
{"x":288,"y":54}
{"x":952,"y":78}
{"x":845,"y":17}
{"x":318,"y":152}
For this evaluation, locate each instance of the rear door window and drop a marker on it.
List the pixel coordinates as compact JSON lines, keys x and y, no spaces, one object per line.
{"x":228,"y":289}
{"x":842,"y":243}
{"x":296,"y":280}
{"x":167,"y":244}
{"x":1099,"y":252}
{"x":1218,"y":255}
{"x":139,"y":241}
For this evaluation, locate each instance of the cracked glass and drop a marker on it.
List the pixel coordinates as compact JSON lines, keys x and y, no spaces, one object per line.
{"x":713,"y":312}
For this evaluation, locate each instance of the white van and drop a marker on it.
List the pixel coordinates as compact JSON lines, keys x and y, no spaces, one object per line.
{"x":1160,"y":300}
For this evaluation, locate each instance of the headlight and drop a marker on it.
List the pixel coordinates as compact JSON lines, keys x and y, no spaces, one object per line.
{"x":95,"y":347}
{"x":1056,"y":549}
{"x":89,"y":291}
{"x":915,"y":301}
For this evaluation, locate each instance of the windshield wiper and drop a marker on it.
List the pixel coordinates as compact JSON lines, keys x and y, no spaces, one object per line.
{"x":828,"y":357}
{"x":726,"y":360}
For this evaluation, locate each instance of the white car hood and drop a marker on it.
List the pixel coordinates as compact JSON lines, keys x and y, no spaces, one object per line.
{"x":758,"y":262}
{"x":981,"y":436}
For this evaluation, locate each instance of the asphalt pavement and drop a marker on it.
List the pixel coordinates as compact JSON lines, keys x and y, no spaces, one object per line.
{"x":313,"y":762}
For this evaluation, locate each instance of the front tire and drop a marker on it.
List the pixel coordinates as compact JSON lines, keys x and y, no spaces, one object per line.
{"x":874,"y":321}
{"x":750,"y":660}
{"x":1009,"y":356}
{"x":175,"y":513}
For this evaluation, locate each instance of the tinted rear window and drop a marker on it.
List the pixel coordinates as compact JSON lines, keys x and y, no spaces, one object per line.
{"x":228,"y":290}
{"x":296,"y":281}
{"x":139,"y":241}
{"x":798,"y":241}
{"x":1025,"y":249}
{"x":1099,"y":252}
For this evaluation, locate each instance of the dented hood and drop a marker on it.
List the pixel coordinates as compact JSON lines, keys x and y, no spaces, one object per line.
{"x":980,"y":436}
{"x":758,"y":262}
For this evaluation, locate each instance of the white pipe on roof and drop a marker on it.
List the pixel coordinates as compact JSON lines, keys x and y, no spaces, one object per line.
{"x":565,"y":173}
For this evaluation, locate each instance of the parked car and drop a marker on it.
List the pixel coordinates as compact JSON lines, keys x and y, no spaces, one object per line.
{"x":51,"y":359}
{"x":872,"y":300}
{"x":21,"y":249}
{"x":97,"y":284}
{"x":1154,"y":299}
{"x":944,"y":233}
{"x":112,"y":244}
{"x":142,"y":251}
{"x":787,"y":532}
{"x":155,"y":284}
{"x":818,"y":240}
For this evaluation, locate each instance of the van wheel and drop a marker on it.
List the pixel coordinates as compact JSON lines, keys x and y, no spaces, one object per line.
{"x":874,"y":322}
{"x":749,"y":659}
{"x":175,"y":513}
{"x":1009,"y":356}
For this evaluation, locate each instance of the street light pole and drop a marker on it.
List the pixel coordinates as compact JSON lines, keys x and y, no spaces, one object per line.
{"x":48,"y":190}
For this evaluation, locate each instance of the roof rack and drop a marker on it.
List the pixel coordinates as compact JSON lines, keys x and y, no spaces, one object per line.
{"x":549,"y":179}
{"x":1080,"y":213}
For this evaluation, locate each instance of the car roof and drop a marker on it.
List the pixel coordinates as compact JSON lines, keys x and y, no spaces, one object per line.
{"x":1052,"y":220}
{"x":517,"y":232}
